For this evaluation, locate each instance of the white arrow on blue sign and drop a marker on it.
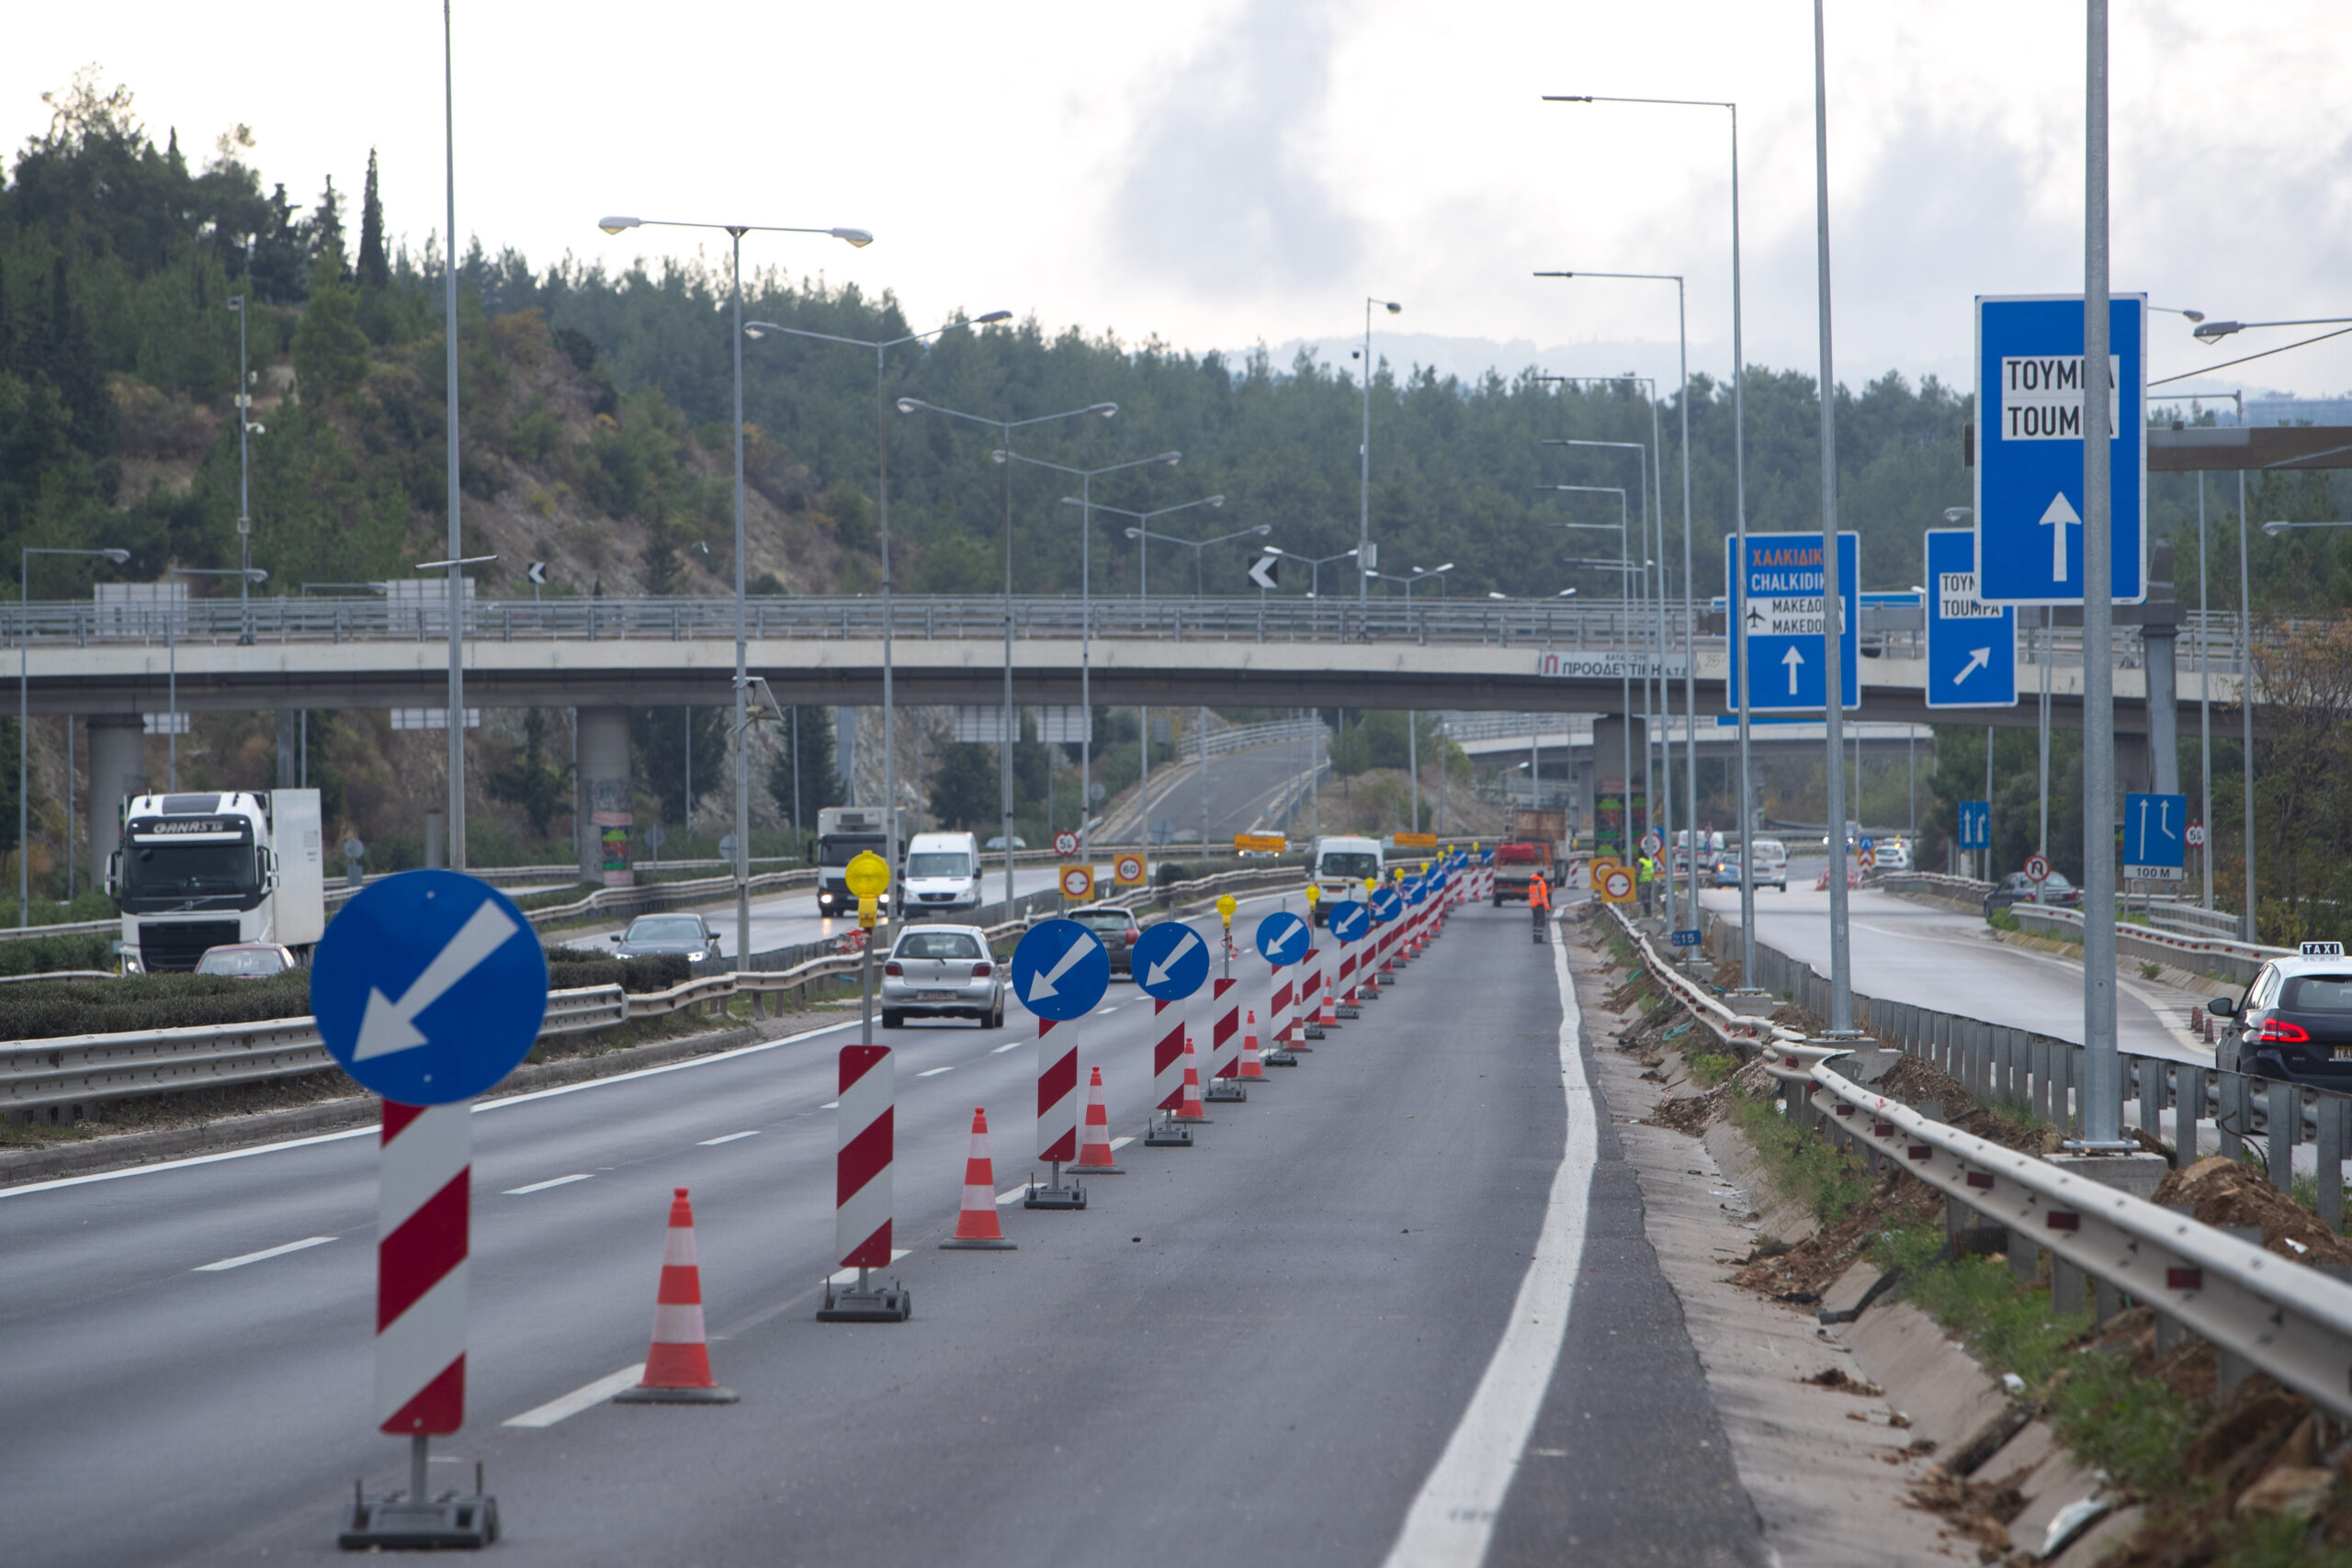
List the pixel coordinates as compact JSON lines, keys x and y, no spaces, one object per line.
{"x":2030,"y":448}
{"x":1387,"y":903}
{"x":1972,"y":645}
{"x":1171,"y":960}
{"x":2154,"y":836}
{"x":1778,"y":598}
{"x":1060,"y":970}
{"x":1282,"y":938}
{"x":1349,"y":919}
{"x":429,"y":987}
{"x":1976,"y":825}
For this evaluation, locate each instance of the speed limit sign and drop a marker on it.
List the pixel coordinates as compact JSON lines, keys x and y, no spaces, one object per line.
{"x":2037,"y":868}
{"x":1065,"y":843}
{"x":1128,"y":869}
{"x":2196,"y":835}
{"x":1078,"y":881}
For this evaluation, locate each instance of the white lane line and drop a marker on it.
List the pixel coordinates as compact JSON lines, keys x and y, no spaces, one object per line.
{"x":1118,"y":1144}
{"x":1007,"y":1045}
{"x":1014,"y":1196}
{"x":1452,"y":1520}
{"x":579,"y":1399}
{"x":1105,"y":1012}
{"x":543,"y":1186}
{"x":831,"y":1105}
{"x":243,"y":1258}
{"x":714,"y":1143}
{"x":933,"y":1072}
{"x":849,"y":1276}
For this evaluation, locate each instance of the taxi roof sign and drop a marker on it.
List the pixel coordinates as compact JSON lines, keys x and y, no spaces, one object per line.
{"x":2322,"y":950}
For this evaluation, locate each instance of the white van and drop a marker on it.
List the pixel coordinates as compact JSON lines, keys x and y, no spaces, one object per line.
{"x":1772,"y":860}
{"x":943,"y":874}
{"x":1344,"y":865}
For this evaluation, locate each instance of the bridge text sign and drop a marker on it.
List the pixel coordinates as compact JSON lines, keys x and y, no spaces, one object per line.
{"x":1578,"y":664}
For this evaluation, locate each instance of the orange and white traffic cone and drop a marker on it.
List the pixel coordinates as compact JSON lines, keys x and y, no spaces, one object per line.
{"x":677,"y":1369}
{"x":976,"y":1229}
{"x":1251,"y":1066}
{"x":1329,"y":1017}
{"x":1189,"y":1108}
{"x":1094,"y":1147}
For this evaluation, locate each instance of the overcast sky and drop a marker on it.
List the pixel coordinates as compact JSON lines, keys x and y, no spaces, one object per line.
{"x":1221,"y":172}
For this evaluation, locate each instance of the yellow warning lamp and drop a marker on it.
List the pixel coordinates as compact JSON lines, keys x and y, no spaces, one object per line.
{"x":1314,"y":895}
{"x":1225,"y":907}
{"x":867,"y":876}
{"x":869,"y":910}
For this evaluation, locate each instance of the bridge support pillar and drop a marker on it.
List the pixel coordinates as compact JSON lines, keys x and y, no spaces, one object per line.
{"x":1616,"y":739}
{"x":118,"y":771}
{"x":2159,"y":638}
{"x":288,"y":721}
{"x":605,"y":789}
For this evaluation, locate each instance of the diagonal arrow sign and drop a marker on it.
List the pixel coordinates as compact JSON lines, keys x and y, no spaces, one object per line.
{"x":1042,"y":985}
{"x":388,"y":1026}
{"x":1275,"y":948}
{"x":2055,"y":518}
{"x":1158,"y":974}
{"x":1978,"y":657}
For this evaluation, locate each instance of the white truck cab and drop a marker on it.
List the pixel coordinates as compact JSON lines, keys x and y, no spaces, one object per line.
{"x":199,"y":871}
{"x":1345,"y":866}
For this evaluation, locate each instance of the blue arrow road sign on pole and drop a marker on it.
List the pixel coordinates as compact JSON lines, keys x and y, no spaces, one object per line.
{"x":1976,"y":825}
{"x":1282,"y":938}
{"x":1349,"y":919}
{"x":1387,"y":903}
{"x":1171,"y":960}
{"x":2155,"y":840}
{"x":429,"y":987}
{"x":1780,"y":597}
{"x":1060,"y":970}
{"x":1972,"y":645}
{"x":2030,"y":448}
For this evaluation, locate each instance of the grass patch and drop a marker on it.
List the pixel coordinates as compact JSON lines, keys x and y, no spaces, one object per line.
{"x":2150,"y":971}
{"x":2002,"y":921}
{"x":1709,"y":1068}
{"x":1800,"y":1166}
{"x":2279,"y":1543}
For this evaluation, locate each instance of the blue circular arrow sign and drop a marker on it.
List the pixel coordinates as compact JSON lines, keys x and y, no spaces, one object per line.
{"x":429,"y":987}
{"x":1060,"y":970}
{"x":1386,"y":905}
{"x":1349,"y":919}
{"x":1171,"y":960}
{"x":1282,"y":938}
{"x":1485,"y":857}
{"x":1416,"y":891}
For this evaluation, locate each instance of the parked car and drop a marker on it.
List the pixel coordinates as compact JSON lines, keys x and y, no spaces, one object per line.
{"x":2017,"y":888}
{"x":647,"y":936}
{"x":1894,"y":854}
{"x":1018,"y":843}
{"x":246,"y":960}
{"x":1118,"y":930}
{"x":2294,"y":1022}
{"x":939,"y":971}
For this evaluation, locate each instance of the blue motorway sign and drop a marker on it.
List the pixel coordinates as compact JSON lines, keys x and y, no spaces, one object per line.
{"x":1972,"y":645}
{"x":1170,"y":960}
{"x":1778,"y":598}
{"x":1387,"y":903}
{"x":1687,"y":937}
{"x":1061,"y":969}
{"x":2155,"y":843}
{"x":2030,"y":448}
{"x":1349,"y":919}
{"x":429,"y":987}
{"x":1975,"y":824}
{"x":1282,"y":938}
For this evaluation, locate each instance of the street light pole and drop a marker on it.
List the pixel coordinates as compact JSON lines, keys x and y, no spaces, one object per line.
{"x":455,"y":542}
{"x":1364,"y":452}
{"x":1413,"y":718}
{"x":23,"y":724}
{"x":857,"y":237}
{"x":244,"y":471}
{"x":1833,"y":602}
{"x":1625,"y":682}
{"x":2102,"y":1097}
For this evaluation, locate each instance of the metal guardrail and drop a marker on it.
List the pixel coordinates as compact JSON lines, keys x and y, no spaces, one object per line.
{"x":75,"y":1071}
{"x":2239,"y":958}
{"x":2263,"y":1310}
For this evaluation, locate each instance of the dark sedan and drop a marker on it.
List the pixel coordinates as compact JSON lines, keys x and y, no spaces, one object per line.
{"x":687,"y":935}
{"x":2017,"y":888}
{"x":2294,"y":1022}
{"x":1118,"y":930}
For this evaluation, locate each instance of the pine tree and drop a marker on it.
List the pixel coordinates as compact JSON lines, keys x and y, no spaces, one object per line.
{"x":375,"y":271}
{"x":324,"y":230}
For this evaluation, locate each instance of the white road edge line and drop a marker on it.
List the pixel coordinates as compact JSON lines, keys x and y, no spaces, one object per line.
{"x":579,"y":1399}
{"x":849,"y":1276}
{"x":553,"y":1181}
{"x":1007,"y":1045}
{"x":1451,"y":1521}
{"x":933,"y":1072}
{"x":714,"y":1143}
{"x":244,"y":1259}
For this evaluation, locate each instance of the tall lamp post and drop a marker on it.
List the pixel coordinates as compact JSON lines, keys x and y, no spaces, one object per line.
{"x":1626,"y":569}
{"x":1010,"y":730}
{"x":1198,"y":547}
{"x":1364,"y":452}
{"x":1314,"y":565}
{"x":882,"y":471}
{"x":858,"y":238}
{"x":24,"y":720}
{"x":1739,"y":512}
{"x":1412,"y":718}
{"x":1143,"y":536}
{"x":1085,"y":478}
{"x":172,"y":616}
{"x":246,"y":428}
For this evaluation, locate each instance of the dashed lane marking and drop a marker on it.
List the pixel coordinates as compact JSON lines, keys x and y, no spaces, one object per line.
{"x":243,"y":1258}
{"x":579,"y":1399}
{"x":933,"y":1072}
{"x":729,"y":1138}
{"x":553,"y":1181}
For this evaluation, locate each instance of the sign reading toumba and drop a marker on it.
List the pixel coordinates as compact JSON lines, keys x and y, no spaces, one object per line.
{"x":1972,"y":645}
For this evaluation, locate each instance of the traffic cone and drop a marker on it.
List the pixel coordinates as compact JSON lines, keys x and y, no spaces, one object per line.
{"x":1189,"y":1108}
{"x":1094,"y":1147}
{"x":677,"y":1369}
{"x":976,"y":1229}
{"x":1249,"y":1064}
{"x":1329,"y":1017}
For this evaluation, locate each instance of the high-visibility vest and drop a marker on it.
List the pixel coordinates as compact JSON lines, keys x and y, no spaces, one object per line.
{"x":1539,"y":893}
{"x":1647,"y":869}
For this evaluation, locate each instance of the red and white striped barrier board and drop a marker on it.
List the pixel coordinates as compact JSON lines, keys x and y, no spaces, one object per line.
{"x":1167,"y":1062}
{"x":865,"y":1136}
{"x":425,"y":1191}
{"x":1225,"y":1034}
{"x":1057,"y":1096}
{"x":1278,"y":1011}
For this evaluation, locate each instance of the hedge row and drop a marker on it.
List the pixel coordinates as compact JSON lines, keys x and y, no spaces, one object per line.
{"x":657,"y":973}
{"x":43,"y":954}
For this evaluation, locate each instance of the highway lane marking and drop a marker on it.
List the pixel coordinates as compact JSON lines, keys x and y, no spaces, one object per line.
{"x":1014,"y":1196}
{"x":933,"y":1072}
{"x":729,"y":1138}
{"x":1453,"y":1520}
{"x":243,"y":1258}
{"x":1007,"y":1045}
{"x":552,"y":1181}
{"x":1118,"y":1144}
{"x":849,"y":1276}
{"x":579,"y":1399}
{"x":831,"y":1105}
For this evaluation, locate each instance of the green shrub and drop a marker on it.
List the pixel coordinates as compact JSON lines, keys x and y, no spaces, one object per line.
{"x":46,"y":954}
{"x":44,"y":1009}
{"x":568,"y":972}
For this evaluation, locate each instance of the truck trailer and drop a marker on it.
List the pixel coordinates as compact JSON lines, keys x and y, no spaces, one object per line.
{"x":200,"y":871}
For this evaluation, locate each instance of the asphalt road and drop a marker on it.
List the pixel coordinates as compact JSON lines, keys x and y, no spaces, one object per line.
{"x":1949,"y":960}
{"x":1243,"y":790}
{"x":792,"y":918}
{"x":1252,"y":1350}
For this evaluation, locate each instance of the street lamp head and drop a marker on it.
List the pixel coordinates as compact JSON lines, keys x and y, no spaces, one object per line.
{"x":760,"y":329}
{"x":1132,"y":532}
{"x":1262,"y":529}
{"x":1566,"y":593}
{"x":1394,"y":308}
{"x":912,"y":406}
{"x":1348,"y":551}
{"x":2214,"y":332}
{"x":1492,"y":594}
{"x":1105,"y":409}
{"x":1219,"y":501}
{"x":615,"y":225}
{"x":1273,"y":550}
{"x":2275,"y":529}
{"x":992,"y":317}
{"x":256,"y":575}
{"x":118,"y":557}
{"x":1170,"y":458}
{"x":859,"y":238}
{"x":1073,"y":501}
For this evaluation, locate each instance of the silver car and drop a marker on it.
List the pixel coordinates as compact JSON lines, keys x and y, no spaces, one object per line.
{"x":937,"y":970}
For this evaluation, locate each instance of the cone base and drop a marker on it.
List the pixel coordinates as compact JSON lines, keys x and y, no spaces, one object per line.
{"x":867,"y":1306}
{"x":1279,"y":1059}
{"x":644,"y":1396}
{"x":1099,"y":1169}
{"x":1226,"y":1090}
{"x":396,"y":1524}
{"x":977,"y":1244}
{"x":1167,"y":1135}
{"x":1070,"y":1197}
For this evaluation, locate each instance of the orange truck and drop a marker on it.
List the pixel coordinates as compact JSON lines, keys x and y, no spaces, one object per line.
{"x":1532,"y":844}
